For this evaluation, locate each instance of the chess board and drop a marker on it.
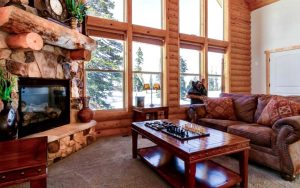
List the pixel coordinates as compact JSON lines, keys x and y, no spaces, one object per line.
{"x":179,"y":132}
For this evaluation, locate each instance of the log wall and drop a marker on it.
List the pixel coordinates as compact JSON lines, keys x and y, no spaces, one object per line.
{"x":240,"y":50}
{"x":239,"y":65}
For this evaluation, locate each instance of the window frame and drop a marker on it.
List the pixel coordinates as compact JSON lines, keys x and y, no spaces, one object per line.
{"x":222,"y":75}
{"x":123,"y":72}
{"x":129,"y":32}
{"x":200,"y":51}
{"x":161,"y":74}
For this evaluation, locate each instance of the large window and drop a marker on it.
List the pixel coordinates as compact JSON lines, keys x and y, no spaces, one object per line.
{"x":215,"y":72}
{"x":105,"y":75}
{"x":216,"y":19}
{"x":108,"y":9}
{"x":190,"y":15}
{"x":147,"y":72}
{"x":189,"y":71}
{"x":147,"y":13}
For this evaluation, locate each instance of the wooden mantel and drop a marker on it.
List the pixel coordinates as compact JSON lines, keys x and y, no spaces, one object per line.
{"x":17,"y":21}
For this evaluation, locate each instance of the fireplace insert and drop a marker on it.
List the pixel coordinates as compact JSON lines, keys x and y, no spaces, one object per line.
{"x":43,"y":104}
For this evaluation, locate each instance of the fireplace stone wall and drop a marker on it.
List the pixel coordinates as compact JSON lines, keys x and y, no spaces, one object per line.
{"x":50,"y":62}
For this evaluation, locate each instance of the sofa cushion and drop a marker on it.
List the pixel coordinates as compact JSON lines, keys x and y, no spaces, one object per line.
{"x":259,"y":135}
{"x":220,"y":108}
{"x":244,"y":106}
{"x":218,"y":124}
{"x":278,"y":108}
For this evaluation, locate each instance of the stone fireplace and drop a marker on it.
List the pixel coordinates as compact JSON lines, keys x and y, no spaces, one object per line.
{"x":33,"y":49}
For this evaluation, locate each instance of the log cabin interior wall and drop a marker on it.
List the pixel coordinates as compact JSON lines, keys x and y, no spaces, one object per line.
{"x":237,"y":58}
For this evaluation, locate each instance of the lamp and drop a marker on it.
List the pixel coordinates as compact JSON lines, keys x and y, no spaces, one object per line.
{"x":155,"y":86}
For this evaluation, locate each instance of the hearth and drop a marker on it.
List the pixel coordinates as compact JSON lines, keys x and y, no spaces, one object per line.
{"x":43,"y":104}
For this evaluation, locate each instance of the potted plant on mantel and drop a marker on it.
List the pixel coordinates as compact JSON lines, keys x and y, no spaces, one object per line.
{"x":8,"y":115}
{"x":77,"y":10}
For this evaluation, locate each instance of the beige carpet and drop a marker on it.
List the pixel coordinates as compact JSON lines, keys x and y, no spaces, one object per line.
{"x":108,"y":163}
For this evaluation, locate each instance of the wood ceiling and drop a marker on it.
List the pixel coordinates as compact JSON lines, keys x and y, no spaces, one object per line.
{"x":255,"y":4}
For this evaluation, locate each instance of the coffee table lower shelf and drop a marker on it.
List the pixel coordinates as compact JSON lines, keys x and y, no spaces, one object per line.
{"x":171,"y":168}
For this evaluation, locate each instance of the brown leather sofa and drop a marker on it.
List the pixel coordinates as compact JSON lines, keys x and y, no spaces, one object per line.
{"x":277,"y":147}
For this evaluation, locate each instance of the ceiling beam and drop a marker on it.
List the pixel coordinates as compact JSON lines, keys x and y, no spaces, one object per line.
{"x":255,"y":4}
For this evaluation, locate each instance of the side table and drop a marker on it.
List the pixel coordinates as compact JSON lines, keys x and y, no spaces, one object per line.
{"x":24,"y":160}
{"x":150,"y":113}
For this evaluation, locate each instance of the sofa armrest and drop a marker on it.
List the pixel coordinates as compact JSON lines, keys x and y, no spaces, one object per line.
{"x":195,"y":112}
{"x":288,"y":129}
{"x":287,"y":132}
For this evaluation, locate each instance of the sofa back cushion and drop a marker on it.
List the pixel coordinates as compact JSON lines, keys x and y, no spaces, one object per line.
{"x":244,"y":106}
{"x":220,"y":108}
{"x":278,"y":108}
{"x":262,"y":102}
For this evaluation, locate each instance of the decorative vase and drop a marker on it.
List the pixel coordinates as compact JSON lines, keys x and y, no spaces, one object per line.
{"x":74,"y":23}
{"x":85,"y":114}
{"x":8,"y":122}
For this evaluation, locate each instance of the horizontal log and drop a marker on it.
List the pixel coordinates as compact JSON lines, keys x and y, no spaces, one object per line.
{"x":191,"y":38}
{"x":173,"y":97}
{"x":82,"y":54}
{"x":96,"y":22}
{"x":240,"y":73}
{"x":240,"y":62}
{"x":173,"y":76}
{"x":240,"y":51}
{"x":30,"y":41}
{"x":240,"y":84}
{"x":240,"y":57}
{"x":17,"y":21}
{"x":148,"y":31}
{"x":241,"y":67}
{"x":244,"y":36}
{"x":111,"y":115}
{"x":241,"y":46}
{"x":174,"y":103}
{"x":173,"y":90}
{"x":121,"y":123}
{"x":240,"y":78}
{"x":241,"y":89}
{"x":173,"y":35}
{"x":113,"y":132}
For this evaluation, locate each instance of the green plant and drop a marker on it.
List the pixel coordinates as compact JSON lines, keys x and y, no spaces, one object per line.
{"x":6,"y":86}
{"x":77,"y":9}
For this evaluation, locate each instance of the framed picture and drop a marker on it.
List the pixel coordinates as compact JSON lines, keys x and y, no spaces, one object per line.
{"x":139,"y":101}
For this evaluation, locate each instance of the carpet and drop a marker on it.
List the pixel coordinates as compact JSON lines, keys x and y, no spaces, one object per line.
{"x":108,"y":163}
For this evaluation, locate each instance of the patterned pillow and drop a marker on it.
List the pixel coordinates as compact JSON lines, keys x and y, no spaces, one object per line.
{"x":220,"y":108}
{"x":278,"y":108}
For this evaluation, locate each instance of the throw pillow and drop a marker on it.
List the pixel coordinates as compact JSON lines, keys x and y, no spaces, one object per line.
{"x":244,"y":106}
{"x":278,"y":108}
{"x":220,"y":108}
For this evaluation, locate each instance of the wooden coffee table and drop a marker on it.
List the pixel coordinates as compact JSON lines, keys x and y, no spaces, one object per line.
{"x":186,"y":163}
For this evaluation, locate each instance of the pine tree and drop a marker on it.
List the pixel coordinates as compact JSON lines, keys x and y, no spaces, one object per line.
{"x":138,"y":80}
{"x":107,"y":56}
{"x":183,"y":86}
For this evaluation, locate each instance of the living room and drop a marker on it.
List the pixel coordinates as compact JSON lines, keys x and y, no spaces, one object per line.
{"x":79,"y":78}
